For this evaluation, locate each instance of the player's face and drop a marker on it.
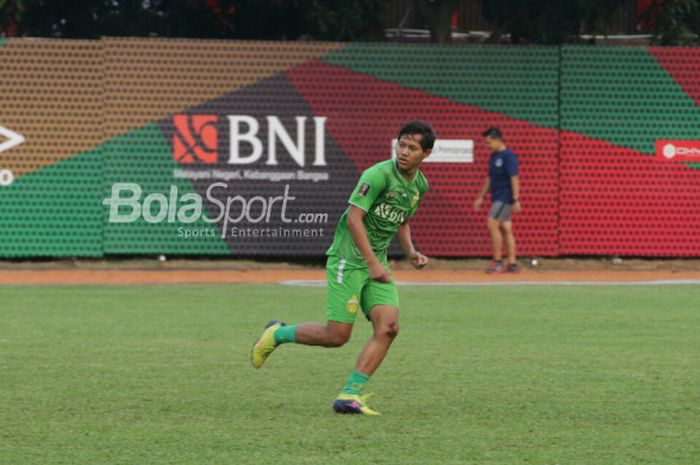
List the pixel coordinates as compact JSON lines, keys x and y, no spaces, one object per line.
{"x":409,"y":152}
{"x":494,"y":145}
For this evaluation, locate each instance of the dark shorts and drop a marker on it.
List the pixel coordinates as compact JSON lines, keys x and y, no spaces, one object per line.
{"x":501,"y":211}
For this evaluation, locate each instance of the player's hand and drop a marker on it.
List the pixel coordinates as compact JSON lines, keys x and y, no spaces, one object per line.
{"x":378,"y":273}
{"x":477,"y":203}
{"x":517,"y":208}
{"x":418,"y":260}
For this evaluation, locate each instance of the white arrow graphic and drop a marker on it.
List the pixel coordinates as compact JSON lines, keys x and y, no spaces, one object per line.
{"x":13,"y":139}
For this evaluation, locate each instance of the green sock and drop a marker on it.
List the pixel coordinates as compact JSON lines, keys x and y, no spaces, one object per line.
{"x":355,"y":383}
{"x":286,"y":334}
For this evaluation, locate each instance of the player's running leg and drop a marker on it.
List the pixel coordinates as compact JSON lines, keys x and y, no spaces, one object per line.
{"x":344,"y":287}
{"x":385,"y":325}
{"x":385,"y":328}
{"x":334,"y":334}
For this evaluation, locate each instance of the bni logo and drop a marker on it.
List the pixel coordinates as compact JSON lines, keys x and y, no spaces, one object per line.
{"x":195,"y":139}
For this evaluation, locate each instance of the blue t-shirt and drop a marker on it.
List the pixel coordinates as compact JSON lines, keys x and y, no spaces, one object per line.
{"x":502,"y":165}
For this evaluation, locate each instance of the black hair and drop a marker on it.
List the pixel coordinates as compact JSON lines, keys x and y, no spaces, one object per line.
{"x":417,"y":127}
{"x":493,"y":132}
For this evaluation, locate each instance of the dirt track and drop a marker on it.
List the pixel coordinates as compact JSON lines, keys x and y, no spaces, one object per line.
{"x":271,"y":274}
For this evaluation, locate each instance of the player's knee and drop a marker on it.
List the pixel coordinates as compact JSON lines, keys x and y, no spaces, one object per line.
{"x":390,"y":330}
{"x":393,"y":330}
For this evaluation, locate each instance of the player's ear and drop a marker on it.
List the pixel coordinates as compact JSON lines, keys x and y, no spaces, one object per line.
{"x":426,"y":153}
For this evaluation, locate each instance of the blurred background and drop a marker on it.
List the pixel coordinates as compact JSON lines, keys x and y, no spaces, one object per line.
{"x":238,"y":128}
{"x":667,"y":22}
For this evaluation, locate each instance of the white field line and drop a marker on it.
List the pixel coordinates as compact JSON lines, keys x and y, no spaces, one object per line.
{"x":656,"y":282}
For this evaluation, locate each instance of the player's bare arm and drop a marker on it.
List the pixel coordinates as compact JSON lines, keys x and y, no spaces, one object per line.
{"x":357,"y":229}
{"x":515,"y":184}
{"x":417,"y":259}
{"x":484,"y":190}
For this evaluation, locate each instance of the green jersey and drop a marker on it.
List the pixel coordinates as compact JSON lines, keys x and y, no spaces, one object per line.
{"x":389,"y":200}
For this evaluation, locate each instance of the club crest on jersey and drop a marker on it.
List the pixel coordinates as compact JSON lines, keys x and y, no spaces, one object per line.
{"x":414,"y":200}
{"x":390,"y":195}
{"x":499,"y":162}
{"x":364,"y":188}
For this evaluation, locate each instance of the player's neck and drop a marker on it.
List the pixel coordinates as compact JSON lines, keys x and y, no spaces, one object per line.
{"x":408,"y":174}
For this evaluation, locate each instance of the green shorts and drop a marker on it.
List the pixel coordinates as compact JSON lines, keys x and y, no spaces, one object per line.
{"x":350,"y":289}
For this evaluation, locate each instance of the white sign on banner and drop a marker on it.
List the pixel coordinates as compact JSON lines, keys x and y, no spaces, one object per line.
{"x":446,"y":151}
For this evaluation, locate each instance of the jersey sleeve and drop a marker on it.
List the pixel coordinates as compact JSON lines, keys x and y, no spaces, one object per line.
{"x":511,"y":163}
{"x":371,"y":184}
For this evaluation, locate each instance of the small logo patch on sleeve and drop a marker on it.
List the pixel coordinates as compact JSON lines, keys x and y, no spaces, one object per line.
{"x":364,"y":188}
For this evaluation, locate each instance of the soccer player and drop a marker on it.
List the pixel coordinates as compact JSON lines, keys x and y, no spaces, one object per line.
{"x":504,"y":182}
{"x":358,"y":273}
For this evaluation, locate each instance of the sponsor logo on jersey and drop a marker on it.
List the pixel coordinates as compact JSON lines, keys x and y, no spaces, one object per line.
{"x":387,"y":212}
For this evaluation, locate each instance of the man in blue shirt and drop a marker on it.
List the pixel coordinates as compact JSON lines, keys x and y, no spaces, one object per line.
{"x":504,"y":183}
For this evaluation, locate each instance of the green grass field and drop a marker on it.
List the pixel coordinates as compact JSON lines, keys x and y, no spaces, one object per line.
{"x":150,"y":375}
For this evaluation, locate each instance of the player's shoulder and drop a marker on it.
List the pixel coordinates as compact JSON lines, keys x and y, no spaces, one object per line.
{"x":385,"y":166}
{"x":509,"y":153}
{"x":380,"y":170}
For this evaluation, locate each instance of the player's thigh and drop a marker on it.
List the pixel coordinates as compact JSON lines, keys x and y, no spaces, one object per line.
{"x":344,"y":291}
{"x":496,"y":207}
{"x":500,"y":212}
{"x":377,"y":294}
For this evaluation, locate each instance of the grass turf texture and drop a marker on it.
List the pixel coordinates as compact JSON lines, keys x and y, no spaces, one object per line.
{"x":488,"y":375}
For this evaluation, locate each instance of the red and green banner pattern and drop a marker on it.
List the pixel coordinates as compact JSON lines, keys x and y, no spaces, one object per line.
{"x":182,"y":147}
